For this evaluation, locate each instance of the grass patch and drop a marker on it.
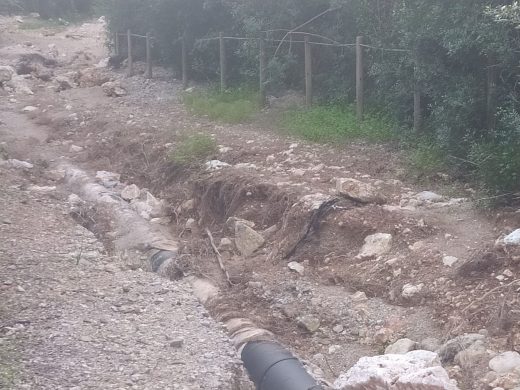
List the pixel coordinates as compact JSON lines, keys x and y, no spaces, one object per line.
{"x":425,"y":159}
{"x":233,"y":106}
{"x":333,"y":123}
{"x":194,"y":149}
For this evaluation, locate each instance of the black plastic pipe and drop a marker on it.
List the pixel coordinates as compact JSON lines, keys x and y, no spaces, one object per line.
{"x":272,"y":367}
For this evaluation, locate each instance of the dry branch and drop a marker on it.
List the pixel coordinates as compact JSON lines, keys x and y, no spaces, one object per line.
{"x":219,"y":257}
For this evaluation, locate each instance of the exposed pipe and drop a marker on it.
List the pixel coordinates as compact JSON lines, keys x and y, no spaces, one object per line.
{"x":272,"y":367}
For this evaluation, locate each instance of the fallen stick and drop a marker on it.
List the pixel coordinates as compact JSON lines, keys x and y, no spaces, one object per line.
{"x":219,"y":257}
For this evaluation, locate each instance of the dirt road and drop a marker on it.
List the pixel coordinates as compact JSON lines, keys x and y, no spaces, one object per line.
{"x":331,"y":249}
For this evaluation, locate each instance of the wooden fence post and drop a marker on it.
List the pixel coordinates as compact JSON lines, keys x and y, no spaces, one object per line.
{"x":130,"y":59}
{"x":417,"y":109}
{"x":491,"y":103}
{"x":359,"y":79}
{"x":148,"y":56}
{"x":308,"y":72}
{"x":263,"y":67}
{"x":223,"y":85}
{"x":116,"y":44}
{"x":184,"y":54}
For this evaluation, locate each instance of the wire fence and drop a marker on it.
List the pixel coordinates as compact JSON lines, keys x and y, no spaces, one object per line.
{"x":309,"y":40}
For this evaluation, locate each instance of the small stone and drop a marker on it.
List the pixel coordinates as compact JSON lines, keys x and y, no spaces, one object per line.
{"x":312,"y":324}
{"x":358,"y":297}
{"x":226,"y":244}
{"x":401,"y":347}
{"x":383,"y":335}
{"x":191,"y":224}
{"x":449,"y":261}
{"x":508,"y":273}
{"x":177,"y":343}
{"x":20,"y":289}
{"x":296,"y":267}
{"x":30,"y":109}
{"x":188,"y":205}
{"x":505,"y":362}
{"x":410,"y":291}
{"x":338,"y":329}
{"x":130,"y":192}
{"x":76,"y":149}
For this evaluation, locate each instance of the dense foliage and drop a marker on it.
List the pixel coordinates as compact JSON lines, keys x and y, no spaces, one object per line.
{"x":463,"y":55}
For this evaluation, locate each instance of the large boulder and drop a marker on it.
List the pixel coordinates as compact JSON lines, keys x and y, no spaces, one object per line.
{"x":376,"y":245}
{"x":418,"y":370}
{"x":513,"y":239}
{"x":358,"y":191}
{"x":505,"y":362}
{"x":114,"y":89}
{"x":247,"y":240}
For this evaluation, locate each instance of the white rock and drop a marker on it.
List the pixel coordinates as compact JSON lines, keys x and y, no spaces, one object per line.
{"x":19,"y":84}
{"x":6,"y":73}
{"x":17,"y":164}
{"x":376,"y":245}
{"x":410,"y":291}
{"x":130,"y":192}
{"x":359,"y":191}
{"x":29,"y":109}
{"x":513,"y":239}
{"x":148,"y":206}
{"x":114,"y":89}
{"x":191,"y":224}
{"x":215,"y":165}
{"x":226,"y":244}
{"x":247,"y":239}
{"x":296,"y":267}
{"x":505,"y":362}
{"x":449,"y":260}
{"x":428,"y":196}
{"x":76,"y":149}
{"x":311,"y":323}
{"x":42,"y":189}
{"x":401,"y":347}
{"x":414,"y":370}
{"x":508,"y":273}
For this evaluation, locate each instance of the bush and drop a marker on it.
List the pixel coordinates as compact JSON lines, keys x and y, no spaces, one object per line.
{"x":232,"y":106}
{"x":334,"y":123}
{"x":497,"y":166}
{"x":425,"y":159}
{"x":194,"y":149}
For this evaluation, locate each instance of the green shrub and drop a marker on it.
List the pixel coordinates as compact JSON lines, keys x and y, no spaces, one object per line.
{"x":334,"y":123}
{"x":194,"y":149}
{"x":497,"y":166}
{"x":425,"y":158}
{"x":233,"y":106}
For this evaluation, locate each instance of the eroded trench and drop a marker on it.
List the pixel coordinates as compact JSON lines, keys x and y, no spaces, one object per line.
{"x":234,"y":236}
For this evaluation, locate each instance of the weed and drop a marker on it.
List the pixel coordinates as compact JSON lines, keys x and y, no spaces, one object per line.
{"x":194,"y":149}
{"x":333,"y":123}
{"x":425,"y":158}
{"x":232,"y":106}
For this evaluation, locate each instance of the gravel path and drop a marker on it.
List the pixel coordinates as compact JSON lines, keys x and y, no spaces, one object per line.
{"x":72,"y":317}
